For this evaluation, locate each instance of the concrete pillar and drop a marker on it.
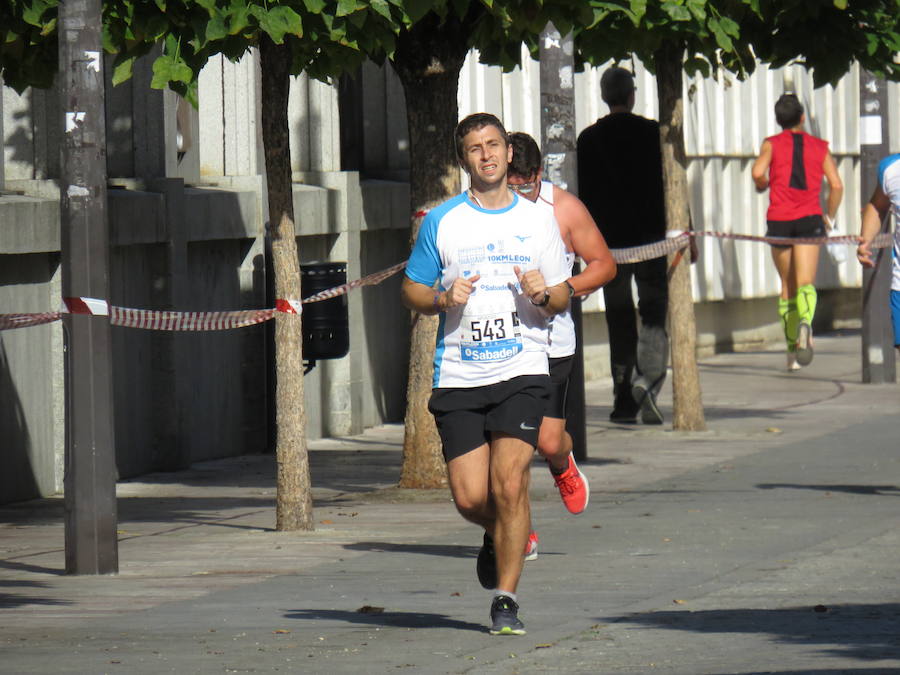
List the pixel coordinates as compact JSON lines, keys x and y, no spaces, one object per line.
{"x":558,"y":140}
{"x":242,"y":130}
{"x":314,"y":125}
{"x":32,"y":134}
{"x":2,"y":137}
{"x":163,"y":129}
{"x":385,"y":137}
{"x":229,"y":136}
{"x":211,"y":134}
{"x":878,"y":359}
{"x":151,"y":133}
{"x":172,"y":372}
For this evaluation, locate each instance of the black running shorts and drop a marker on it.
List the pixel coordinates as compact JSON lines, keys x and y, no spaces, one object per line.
{"x":809,"y":226}
{"x":466,"y":416}
{"x":560,"y":370}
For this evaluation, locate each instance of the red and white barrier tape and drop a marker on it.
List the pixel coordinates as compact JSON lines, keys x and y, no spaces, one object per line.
{"x":187,"y":321}
{"x":150,"y":319}
{"x":658,"y":249}
{"x":370,"y":280}
{"x":10,"y":321}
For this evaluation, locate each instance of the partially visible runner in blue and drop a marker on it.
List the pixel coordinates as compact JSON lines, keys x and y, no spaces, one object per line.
{"x":494,"y":267}
{"x":886,"y":196}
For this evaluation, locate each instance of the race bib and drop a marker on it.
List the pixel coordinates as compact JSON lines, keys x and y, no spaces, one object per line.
{"x":490,"y":337}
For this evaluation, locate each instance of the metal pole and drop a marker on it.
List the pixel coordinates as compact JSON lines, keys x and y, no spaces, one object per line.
{"x":90,"y":476}
{"x":878,"y":360}
{"x":558,"y":138}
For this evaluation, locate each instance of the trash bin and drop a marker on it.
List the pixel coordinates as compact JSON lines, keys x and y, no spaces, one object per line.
{"x":326,"y":333}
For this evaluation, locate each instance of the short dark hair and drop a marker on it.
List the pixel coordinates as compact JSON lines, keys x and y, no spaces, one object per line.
{"x":616,"y":85}
{"x":526,"y":159}
{"x":788,"y":111}
{"x":474,"y":122}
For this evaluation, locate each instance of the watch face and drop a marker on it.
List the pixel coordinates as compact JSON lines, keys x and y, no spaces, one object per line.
{"x":571,"y":289}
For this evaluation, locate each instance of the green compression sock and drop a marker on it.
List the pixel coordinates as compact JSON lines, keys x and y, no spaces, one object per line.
{"x":787,"y":310}
{"x":806,"y":303}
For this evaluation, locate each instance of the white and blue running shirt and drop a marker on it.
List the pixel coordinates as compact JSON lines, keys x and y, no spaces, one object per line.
{"x":889,"y":180}
{"x":498,"y":334}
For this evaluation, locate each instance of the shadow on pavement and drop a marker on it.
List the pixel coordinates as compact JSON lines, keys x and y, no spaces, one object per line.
{"x":866,"y":631}
{"x":26,"y":567}
{"x":444,"y":551}
{"x":10,"y":600}
{"x":343,"y":470}
{"x":381,"y":618}
{"x":818,"y":671}
{"x":885,"y":490}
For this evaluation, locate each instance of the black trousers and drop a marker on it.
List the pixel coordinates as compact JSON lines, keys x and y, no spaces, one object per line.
{"x":637,"y":353}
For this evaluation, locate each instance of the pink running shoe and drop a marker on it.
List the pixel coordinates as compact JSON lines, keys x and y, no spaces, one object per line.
{"x":573,"y":488}
{"x":531,"y":546}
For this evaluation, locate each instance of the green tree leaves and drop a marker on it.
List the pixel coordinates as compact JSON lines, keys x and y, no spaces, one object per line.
{"x":827,"y":37}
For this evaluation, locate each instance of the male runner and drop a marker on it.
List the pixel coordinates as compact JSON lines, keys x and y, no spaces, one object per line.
{"x":501,"y":268}
{"x":885,"y":197}
{"x":582,"y":238}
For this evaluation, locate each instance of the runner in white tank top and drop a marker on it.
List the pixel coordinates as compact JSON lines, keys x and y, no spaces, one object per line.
{"x":581,"y":238}
{"x":562,"y":328}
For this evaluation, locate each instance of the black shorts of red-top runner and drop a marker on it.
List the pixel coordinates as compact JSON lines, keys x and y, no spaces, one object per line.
{"x":808,"y":226}
{"x":467,"y":416}
{"x":560,"y":370}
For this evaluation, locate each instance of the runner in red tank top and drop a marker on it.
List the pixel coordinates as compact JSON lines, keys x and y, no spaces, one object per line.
{"x":792,"y":165}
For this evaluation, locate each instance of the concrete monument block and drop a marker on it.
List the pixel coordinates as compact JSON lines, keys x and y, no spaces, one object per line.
{"x":32,"y":131}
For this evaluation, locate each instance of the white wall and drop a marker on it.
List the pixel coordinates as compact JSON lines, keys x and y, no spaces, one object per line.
{"x":726,"y":121}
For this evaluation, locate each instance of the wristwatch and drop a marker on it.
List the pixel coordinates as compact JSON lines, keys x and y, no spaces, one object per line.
{"x":571,"y":289}
{"x":544,"y":302}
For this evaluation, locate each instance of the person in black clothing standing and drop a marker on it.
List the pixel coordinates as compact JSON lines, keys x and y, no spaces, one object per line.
{"x":620,"y":181}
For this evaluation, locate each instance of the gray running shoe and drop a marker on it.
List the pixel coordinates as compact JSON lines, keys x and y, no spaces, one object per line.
{"x":650,"y":413}
{"x":486,"y":566}
{"x":804,"y":344}
{"x":505,"y":617}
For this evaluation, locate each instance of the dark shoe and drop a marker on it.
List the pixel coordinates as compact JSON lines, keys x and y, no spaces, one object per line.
{"x":505,"y":617}
{"x":650,"y":414}
{"x":804,"y":344}
{"x":624,"y":411}
{"x":486,"y":567}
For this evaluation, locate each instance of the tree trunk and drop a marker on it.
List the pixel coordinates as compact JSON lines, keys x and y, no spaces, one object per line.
{"x":687,"y":412}
{"x":428,"y":60}
{"x":294,"y":498}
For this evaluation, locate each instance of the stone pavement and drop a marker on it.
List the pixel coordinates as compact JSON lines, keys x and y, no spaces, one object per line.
{"x":766,"y":544}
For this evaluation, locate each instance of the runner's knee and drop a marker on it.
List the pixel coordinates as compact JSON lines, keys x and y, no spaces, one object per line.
{"x":509,"y":489}
{"x":550,"y":444}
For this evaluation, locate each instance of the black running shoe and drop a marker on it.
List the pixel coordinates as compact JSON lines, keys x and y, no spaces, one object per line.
{"x":624,"y":411}
{"x":486,"y":567}
{"x":505,"y":617}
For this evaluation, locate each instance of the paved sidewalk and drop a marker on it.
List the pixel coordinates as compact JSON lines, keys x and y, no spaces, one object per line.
{"x":701,"y":552}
